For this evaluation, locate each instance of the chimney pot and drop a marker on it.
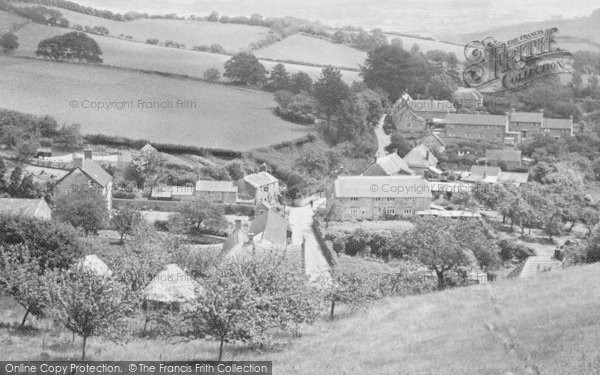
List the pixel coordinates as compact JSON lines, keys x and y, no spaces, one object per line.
{"x":87,"y":154}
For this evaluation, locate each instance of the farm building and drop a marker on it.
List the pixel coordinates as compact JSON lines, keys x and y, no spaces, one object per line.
{"x":32,"y":208}
{"x":171,"y":288}
{"x":505,"y":159}
{"x":390,"y":165}
{"x":176,"y":193}
{"x":435,"y":142}
{"x":217,"y":191}
{"x":379,"y":197}
{"x":408,"y":113}
{"x":86,"y":176}
{"x":483,"y":173}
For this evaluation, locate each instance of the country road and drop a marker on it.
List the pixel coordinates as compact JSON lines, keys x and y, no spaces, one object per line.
{"x":382,"y":139}
{"x":301,"y":219}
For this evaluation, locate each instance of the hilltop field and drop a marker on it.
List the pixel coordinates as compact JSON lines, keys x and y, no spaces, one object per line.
{"x":225,"y":116}
{"x":546,"y":325}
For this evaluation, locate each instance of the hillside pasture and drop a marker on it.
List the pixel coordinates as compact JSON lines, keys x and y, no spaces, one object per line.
{"x":8,"y":21}
{"x":429,"y":45}
{"x":303,"y":48}
{"x":232,"y":37}
{"x":142,"y":56}
{"x":223,"y":116}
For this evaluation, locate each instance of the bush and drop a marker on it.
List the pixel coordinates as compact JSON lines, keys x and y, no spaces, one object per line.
{"x":511,"y":249}
{"x":212,"y":74}
{"x":152,"y":41}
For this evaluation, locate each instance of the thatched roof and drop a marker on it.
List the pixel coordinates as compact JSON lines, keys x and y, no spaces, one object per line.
{"x":172,"y":285}
{"x":235,"y":244}
{"x":91,"y":263}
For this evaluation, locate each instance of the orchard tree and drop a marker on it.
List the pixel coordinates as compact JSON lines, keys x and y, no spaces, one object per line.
{"x":202,"y":215}
{"x":245,"y":69}
{"x":125,"y":220}
{"x":82,"y":209}
{"x":9,"y":42}
{"x":350,"y":285}
{"x":149,"y":166}
{"x":23,"y":279}
{"x":90,"y":305}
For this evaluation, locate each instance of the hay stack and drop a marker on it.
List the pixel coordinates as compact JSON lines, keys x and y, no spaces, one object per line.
{"x":93,"y":264}
{"x":172,"y":286}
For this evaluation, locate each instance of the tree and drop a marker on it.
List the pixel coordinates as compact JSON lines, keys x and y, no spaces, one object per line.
{"x":69,"y":137}
{"x":53,"y":244}
{"x":152,"y":41}
{"x":388,"y":68}
{"x":3,"y":184}
{"x":217,"y":48}
{"x":331,"y":91}
{"x":433,"y":243}
{"x":82,"y":209}
{"x":125,"y":219}
{"x":441,"y":87}
{"x":201,"y":215}
{"x":9,"y":42}
{"x":15,"y":181}
{"x":212,"y":74}
{"x":398,"y":145}
{"x":301,"y":82}
{"x":590,"y":218}
{"x":76,"y":46}
{"x":150,"y":165}
{"x":213,"y":17}
{"x":22,"y":278}
{"x":90,"y":305}
{"x":279,"y":78}
{"x":245,"y":69}
{"x":350,"y":285}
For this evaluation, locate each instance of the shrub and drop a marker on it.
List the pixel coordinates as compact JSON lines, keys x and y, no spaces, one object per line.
{"x":212,"y":74}
{"x":510,"y":249}
{"x":82,"y":209}
{"x":152,"y":41}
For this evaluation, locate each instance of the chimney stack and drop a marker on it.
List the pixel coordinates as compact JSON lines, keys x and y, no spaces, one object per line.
{"x":263,"y":167}
{"x":238,"y":224}
{"x":87,"y":154}
{"x":78,"y":162}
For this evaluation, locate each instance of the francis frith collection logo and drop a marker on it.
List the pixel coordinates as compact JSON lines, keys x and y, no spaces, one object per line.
{"x":493,"y":66}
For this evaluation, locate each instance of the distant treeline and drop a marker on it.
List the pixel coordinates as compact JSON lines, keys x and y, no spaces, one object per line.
{"x":68,"y":5}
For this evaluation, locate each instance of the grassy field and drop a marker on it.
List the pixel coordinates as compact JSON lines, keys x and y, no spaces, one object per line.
{"x":548,"y":324}
{"x":224,"y":116}
{"x":121,"y":53}
{"x":191,"y":33}
{"x":305,"y":48}
{"x":429,"y":45}
{"x":8,"y":21}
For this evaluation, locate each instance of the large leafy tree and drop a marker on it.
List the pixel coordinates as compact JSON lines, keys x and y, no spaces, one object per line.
{"x":245,"y":69}
{"x":82,"y":209}
{"x":75,"y":46}
{"x":388,"y":68}
{"x":331,"y":92}
{"x":125,"y":220}
{"x":279,"y":78}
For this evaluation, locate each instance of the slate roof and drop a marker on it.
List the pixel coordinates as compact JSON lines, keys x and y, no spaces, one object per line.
{"x":391,"y":164}
{"x":272,"y":226}
{"x":93,"y":171}
{"x":514,"y":177}
{"x":476,"y":119}
{"x":24,"y":207}
{"x":526,"y":116}
{"x":260,"y":179}
{"x":503,"y":155}
{"x":381,"y":187}
{"x":557,"y":123}
{"x":480,"y":170}
{"x":218,"y":186}
{"x":417,"y":157}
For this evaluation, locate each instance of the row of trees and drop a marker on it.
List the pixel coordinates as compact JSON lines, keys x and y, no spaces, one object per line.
{"x":98,"y":30}
{"x":43,"y":15}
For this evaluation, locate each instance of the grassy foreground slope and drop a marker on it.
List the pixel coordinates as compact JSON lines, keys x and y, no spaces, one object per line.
{"x":549,"y":323}
{"x":224,"y":116}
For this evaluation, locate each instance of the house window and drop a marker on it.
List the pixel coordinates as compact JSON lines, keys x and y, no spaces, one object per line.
{"x":266,"y":189}
{"x":376,"y":211}
{"x":408,"y":211}
{"x":353,"y":199}
{"x":354,"y":211}
{"x":408,"y":199}
{"x":391,"y":199}
{"x":390,"y":211}
{"x":377,"y":199}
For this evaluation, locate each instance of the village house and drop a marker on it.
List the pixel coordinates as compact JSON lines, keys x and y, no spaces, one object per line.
{"x":512,"y":128}
{"x":86,"y":175}
{"x":217,"y":191}
{"x":505,"y":159}
{"x":261,"y":186}
{"x":483,"y":173}
{"x":434,"y":142}
{"x":408,"y":113}
{"x":421,"y":160}
{"x":270,"y":228}
{"x":380,"y":197}
{"x":30,"y":208}
{"x":389,"y":165}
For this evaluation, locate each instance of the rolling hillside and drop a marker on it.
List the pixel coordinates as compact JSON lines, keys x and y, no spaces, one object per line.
{"x":224,"y":117}
{"x":191,"y":33}
{"x":303,"y":48}
{"x":132,"y":55}
{"x":581,"y":33}
{"x":8,"y":21}
{"x":429,"y":45}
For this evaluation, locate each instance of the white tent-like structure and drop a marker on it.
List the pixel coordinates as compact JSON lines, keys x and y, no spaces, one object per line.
{"x":173,"y":288}
{"x":91,"y":263}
